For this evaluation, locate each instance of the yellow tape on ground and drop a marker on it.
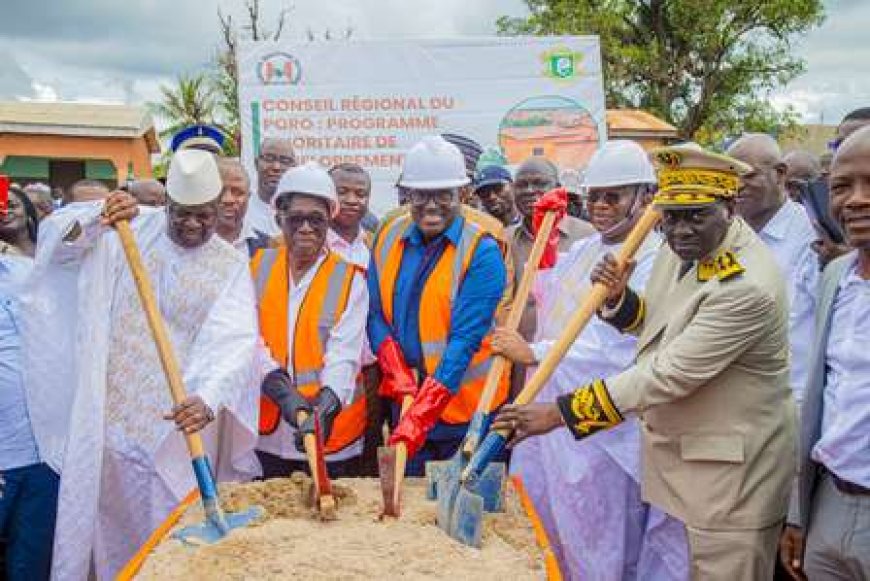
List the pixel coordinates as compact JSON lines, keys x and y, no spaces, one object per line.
{"x":133,"y":565}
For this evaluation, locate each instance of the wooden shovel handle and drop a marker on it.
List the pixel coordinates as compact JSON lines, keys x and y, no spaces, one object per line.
{"x":310,"y":443}
{"x":402,"y":449}
{"x":518,"y":305}
{"x":158,"y":328}
{"x":596,"y":297}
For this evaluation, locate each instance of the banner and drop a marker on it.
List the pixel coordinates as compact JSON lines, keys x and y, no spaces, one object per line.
{"x":368,"y":102}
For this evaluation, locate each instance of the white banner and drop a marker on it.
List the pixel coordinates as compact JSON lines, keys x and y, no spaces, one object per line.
{"x":368,"y":102}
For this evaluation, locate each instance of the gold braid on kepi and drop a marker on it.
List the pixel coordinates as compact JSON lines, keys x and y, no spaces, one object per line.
{"x":589,"y":410}
{"x":690,"y":176}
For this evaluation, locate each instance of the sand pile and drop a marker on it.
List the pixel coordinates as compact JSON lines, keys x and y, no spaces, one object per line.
{"x":291,"y":543}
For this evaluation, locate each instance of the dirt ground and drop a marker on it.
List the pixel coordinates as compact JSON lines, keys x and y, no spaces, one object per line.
{"x":292,"y":543}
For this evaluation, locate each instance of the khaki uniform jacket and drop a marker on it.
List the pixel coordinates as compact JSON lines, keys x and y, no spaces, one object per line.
{"x":711,"y":387}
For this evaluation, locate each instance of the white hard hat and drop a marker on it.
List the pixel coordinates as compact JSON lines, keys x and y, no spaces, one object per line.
{"x":193,"y":178}
{"x":310,"y":179}
{"x":433,"y":163}
{"x":619,"y":163}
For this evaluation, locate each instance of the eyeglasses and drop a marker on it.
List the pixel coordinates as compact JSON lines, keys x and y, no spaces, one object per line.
{"x":423,"y":197}
{"x":282,"y":160}
{"x":609,"y":198}
{"x":317,"y":222}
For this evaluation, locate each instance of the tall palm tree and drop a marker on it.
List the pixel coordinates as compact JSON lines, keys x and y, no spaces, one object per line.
{"x":193,"y":100}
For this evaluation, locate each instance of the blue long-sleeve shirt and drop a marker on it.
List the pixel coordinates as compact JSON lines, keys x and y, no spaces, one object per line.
{"x":17,"y":444}
{"x":471,"y":315}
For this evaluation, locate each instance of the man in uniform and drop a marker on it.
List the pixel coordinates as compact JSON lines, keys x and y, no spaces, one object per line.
{"x":435,"y":281}
{"x":710,"y":383}
{"x":831,"y":511}
{"x":313,"y":306}
{"x":588,"y":495}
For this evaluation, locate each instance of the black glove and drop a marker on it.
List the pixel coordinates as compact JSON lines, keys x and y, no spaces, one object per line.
{"x":278,"y":387}
{"x":327,"y":406}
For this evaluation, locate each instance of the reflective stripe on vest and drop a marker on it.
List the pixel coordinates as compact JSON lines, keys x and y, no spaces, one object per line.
{"x":322,"y":307}
{"x":439,"y":293}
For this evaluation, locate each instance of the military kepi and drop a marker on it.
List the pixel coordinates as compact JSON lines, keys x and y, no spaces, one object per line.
{"x":690,"y":176}
{"x":205,"y":137}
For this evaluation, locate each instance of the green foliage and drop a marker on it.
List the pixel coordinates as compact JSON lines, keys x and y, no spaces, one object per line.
{"x":191,"y":101}
{"x":706,"y":66}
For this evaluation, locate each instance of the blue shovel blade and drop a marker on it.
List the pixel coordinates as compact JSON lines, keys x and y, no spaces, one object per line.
{"x":212,"y":530}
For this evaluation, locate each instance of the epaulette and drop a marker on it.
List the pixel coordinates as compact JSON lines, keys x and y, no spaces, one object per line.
{"x":723,"y":266}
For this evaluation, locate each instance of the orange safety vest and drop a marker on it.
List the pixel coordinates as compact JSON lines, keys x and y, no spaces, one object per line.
{"x":321,"y":309}
{"x":436,"y":302}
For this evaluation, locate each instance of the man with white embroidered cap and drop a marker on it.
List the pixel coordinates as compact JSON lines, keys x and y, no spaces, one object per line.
{"x":312,"y":307}
{"x":598,"y":502}
{"x":123,"y":465}
{"x":710,"y":381}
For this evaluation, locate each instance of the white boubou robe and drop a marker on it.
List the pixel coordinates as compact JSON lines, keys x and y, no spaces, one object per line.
{"x":588,"y":492}
{"x":123,"y":467}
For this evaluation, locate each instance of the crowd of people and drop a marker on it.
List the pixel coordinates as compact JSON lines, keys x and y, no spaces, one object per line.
{"x":725,"y":370}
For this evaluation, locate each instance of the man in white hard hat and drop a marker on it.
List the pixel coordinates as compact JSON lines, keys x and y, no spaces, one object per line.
{"x":313,"y":307}
{"x":435,"y":281}
{"x":101,"y":407}
{"x":565,"y":480}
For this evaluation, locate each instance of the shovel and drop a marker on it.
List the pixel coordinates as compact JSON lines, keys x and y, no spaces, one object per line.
{"x":218,"y":523}
{"x":391,"y":468}
{"x":490,"y":486}
{"x":317,"y":464}
{"x":466,"y":517}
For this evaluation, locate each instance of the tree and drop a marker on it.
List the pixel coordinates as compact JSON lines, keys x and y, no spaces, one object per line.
{"x":192,"y":100}
{"x":706,"y":66}
{"x":225,"y":78}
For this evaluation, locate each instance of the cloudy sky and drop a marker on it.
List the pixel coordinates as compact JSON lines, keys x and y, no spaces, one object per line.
{"x":114,"y":51}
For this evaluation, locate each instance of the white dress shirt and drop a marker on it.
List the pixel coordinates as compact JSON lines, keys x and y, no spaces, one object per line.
{"x":356,"y":252}
{"x":341,"y":360}
{"x":241,"y":241}
{"x":261,"y":217}
{"x":789,"y":235}
{"x":844,"y":445}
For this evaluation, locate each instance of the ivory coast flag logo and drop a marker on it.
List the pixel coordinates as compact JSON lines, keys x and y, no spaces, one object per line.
{"x":279,"y":68}
{"x":562,"y":63}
